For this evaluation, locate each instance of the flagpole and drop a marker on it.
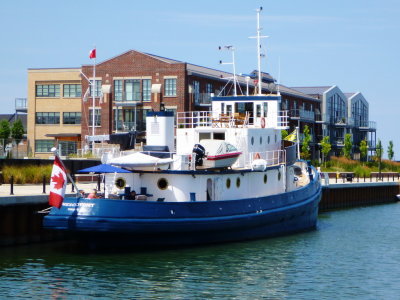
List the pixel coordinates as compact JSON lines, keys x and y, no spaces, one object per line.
{"x":55,"y":152}
{"x":93,"y":100}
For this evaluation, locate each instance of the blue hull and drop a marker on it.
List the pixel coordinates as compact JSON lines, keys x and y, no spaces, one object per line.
{"x":126,"y":223}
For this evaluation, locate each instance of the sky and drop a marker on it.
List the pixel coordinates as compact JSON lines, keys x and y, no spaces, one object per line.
{"x":352,"y":44}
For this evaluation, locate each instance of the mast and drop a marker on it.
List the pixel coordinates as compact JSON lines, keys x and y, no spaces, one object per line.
{"x":259,"y":37}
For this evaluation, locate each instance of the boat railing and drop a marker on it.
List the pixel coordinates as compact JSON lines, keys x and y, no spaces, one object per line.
{"x":193,"y":119}
{"x":272,"y":158}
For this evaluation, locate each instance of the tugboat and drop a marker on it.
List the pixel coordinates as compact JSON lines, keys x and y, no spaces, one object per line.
{"x":229,"y":178}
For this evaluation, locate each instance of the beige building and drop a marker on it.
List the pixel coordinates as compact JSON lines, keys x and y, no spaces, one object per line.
{"x":54,"y":111}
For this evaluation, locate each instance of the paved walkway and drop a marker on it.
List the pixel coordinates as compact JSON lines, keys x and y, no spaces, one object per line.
{"x":37,"y":189}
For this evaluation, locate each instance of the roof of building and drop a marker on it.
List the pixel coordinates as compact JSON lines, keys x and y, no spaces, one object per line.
{"x":349,"y":95}
{"x":312,"y":90}
{"x":292,"y":92}
{"x":193,"y":69}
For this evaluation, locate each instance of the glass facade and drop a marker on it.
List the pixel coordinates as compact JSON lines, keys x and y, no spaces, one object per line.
{"x":66,"y":148}
{"x":72,"y":118}
{"x":170,"y":87}
{"x":48,"y":90}
{"x":44,"y":145}
{"x":146,"y":89}
{"x":97,"y":117}
{"x":359,"y":113}
{"x":97,"y":92}
{"x":47,"y":118}
{"x":72,"y":90}
{"x":336,"y":109}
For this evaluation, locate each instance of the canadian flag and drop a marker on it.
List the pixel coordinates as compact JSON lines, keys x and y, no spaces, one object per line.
{"x":92,"y":53}
{"x":58,"y":183}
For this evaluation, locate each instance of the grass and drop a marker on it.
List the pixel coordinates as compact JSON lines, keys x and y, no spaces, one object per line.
{"x":342,"y":164}
{"x":26,"y":174}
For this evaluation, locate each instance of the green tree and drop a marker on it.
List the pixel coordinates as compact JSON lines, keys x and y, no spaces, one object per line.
{"x":17,"y":131}
{"x":305,"y":147}
{"x":4,"y":129}
{"x":326,"y":148}
{"x":390,"y":151}
{"x":363,"y":149}
{"x":379,"y":153}
{"x":348,"y":145}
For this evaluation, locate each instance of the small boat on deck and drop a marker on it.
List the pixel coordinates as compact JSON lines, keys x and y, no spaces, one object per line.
{"x":217,"y":154}
{"x":140,"y":161}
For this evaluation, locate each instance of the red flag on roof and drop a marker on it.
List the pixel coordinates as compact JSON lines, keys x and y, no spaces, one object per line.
{"x":92,"y":53}
{"x":58,"y":183}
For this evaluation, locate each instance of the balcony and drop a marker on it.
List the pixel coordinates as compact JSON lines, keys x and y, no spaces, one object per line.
{"x":301,"y":114}
{"x":203,"y":99}
{"x":366,"y":125}
{"x":21,"y":105}
{"x":131,"y":99}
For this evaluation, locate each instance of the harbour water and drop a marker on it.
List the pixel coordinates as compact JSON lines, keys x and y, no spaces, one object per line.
{"x":354,"y":254}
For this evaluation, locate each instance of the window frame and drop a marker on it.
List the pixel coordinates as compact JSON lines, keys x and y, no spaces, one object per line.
{"x":170,"y":87}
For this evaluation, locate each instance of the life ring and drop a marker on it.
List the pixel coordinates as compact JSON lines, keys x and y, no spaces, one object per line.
{"x":257,"y":156}
{"x":262,"y":122}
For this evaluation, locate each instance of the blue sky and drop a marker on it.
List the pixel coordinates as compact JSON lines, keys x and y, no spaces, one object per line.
{"x":353,"y":44}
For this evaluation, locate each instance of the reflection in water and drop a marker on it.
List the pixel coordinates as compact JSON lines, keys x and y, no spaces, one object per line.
{"x":353,"y":254}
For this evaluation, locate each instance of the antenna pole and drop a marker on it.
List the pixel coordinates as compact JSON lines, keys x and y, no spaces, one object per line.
{"x":234,"y":72}
{"x":259,"y":51}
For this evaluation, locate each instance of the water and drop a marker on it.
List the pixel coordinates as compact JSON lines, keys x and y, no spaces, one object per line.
{"x":354,"y":254}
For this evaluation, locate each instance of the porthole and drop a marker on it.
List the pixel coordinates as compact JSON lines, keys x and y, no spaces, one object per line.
{"x":252,"y":140}
{"x":228,"y":183}
{"x":238,"y":182}
{"x":269,"y":139}
{"x":265,"y":178}
{"x":162,"y":183}
{"x":279,"y":176}
{"x":120,"y":182}
{"x":260,"y":140}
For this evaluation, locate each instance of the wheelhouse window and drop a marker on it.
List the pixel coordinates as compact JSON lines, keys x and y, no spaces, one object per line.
{"x":72,"y":91}
{"x":48,"y":90}
{"x":44,"y":145}
{"x":170,"y":87}
{"x":47,"y":118}
{"x":72,"y":118}
{"x":97,"y":117}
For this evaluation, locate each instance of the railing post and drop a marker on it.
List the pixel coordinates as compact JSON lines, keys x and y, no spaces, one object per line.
{"x":44,"y":184}
{"x":73,"y":186}
{"x":12,"y":185}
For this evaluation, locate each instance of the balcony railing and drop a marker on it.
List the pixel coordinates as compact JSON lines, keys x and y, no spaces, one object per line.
{"x":128,"y":98}
{"x":21,"y":104}
{"x":302,"y":114}
{"x":203,"y":99}
{"x":322,"y":118}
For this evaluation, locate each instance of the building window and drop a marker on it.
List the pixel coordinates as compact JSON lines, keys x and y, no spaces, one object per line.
{"x":132,"y":90}
{"x":170,"y":87}
{"x":97,"y":117}
{"x":146,"y":90}
{"x":97,"y":91}
{"x":196,"y":91}
{"x":209,"y":88}
{"x":47,"y":118}
{"x":72,"y":118}
{"x":44,"y":145}
{"x":118,"y":90}
{"x":67,"y":147}
{"x":72,"y":91}
{"x":48,"y":90}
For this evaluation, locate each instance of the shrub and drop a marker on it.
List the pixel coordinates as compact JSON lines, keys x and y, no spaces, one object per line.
{"x":26,"y":174}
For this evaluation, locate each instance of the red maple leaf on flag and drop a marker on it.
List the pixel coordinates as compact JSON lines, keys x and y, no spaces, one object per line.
{"x":58,"y":180}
